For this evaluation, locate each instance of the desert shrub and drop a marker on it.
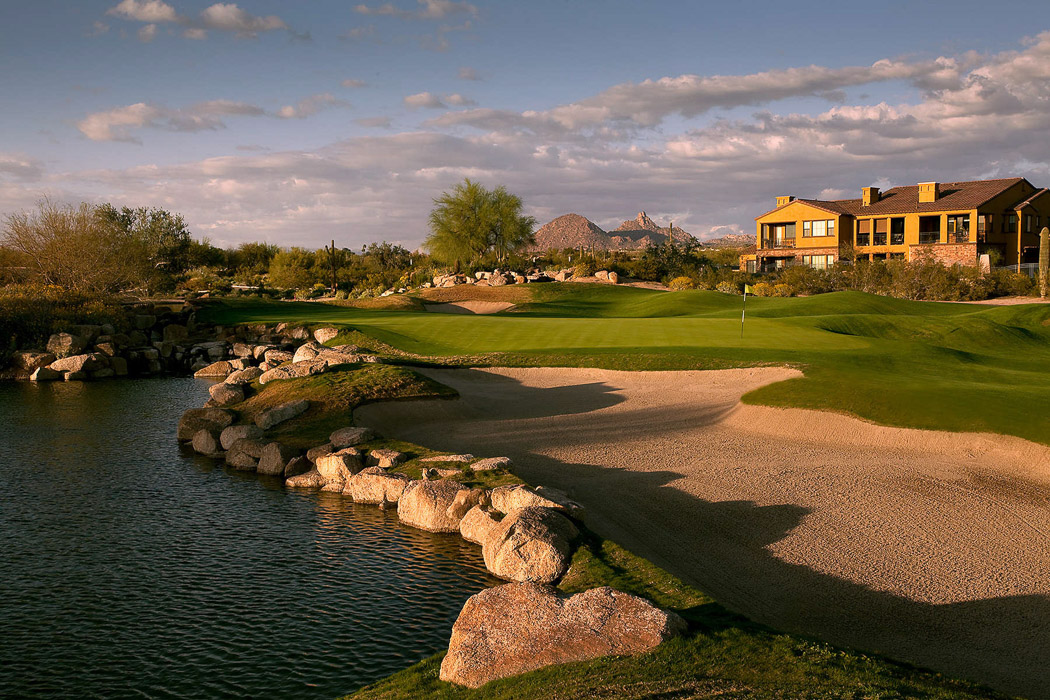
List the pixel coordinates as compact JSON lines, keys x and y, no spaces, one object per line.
{"x":727,"y":287}
{"x":341,"y":294}
{"x":680,"y":283}
{"x":783,"y":290}
{"x":584,"y":268}
{"x":762,"y":289}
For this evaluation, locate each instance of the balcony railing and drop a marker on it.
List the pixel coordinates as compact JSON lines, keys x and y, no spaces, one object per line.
{"x":880,"y":238}
{"x":782,"y":243}
{"x":960,"y":237}
{"x":863,"y":239}
{"x":929,"y":237}
{"x":897,"y":238}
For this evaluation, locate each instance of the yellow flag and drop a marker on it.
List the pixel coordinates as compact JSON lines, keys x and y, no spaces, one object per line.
{"x":747,"y":289}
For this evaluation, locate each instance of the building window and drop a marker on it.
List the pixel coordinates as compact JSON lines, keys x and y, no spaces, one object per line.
{"x":1010,"y":223}
{"x":896,"y":256}
{"x":896,"y":231}
{"x":984,"y":226}
{"x":929,"y":229}
{"x":881,"y":227}
{"x":1028,"y":223}
{"x":864,"y":232}
{"x":818,"y":262}
{"x":818,"y":229}
{"x":959,"y":228}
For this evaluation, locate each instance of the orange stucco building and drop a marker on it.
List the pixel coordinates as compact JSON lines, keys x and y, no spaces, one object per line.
{"x":952,"y":222}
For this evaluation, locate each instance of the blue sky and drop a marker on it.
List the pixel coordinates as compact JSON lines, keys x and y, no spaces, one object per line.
{"x":296,"y":122}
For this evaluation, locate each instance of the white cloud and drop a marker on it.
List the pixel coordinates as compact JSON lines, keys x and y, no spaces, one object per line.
{"x":20,"y":166}
{"x":426,"y":100}
{"x":309,"y":106}
{"x":118,"y":124}
{"x":353,"y":83}
{"x":428,"y":9}
{"x":459,"y":100}
{"x":147,"y":33}
{"x":224,"y":17}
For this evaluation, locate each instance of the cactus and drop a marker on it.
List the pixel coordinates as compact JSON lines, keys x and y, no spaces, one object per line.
{"x":1044,"y":261}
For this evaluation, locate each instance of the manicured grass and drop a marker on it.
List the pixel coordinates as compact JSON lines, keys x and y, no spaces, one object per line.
{"x":723,"y":655}
{"x":962,"y":367}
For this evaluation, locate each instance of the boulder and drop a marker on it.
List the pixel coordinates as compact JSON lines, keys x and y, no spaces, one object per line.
{"x":530,"y":544}
{"x":385,"y":458}
{"x":297,"y":466}
{"x":143,"y":321}
{"x":201,"y":418}
{"x":65,"y":344}
{"x":282,"y":413}
{"x":174,"y":332}
{"x":477,"y":525}
{"x":206,"y":442}
{"x":292,"y":371}
{"x":306,"y":352}
{"x":448,"y":458}
{"x":119,"y":365}
{"x":224,"y":394}
{"x":562,"y":276}
{"x":43,"y":374}
{"x":602,"y":275}
{"x":238,"y":432}
{"x":508,"y":498}
{"x":239,"y":364}
{"x":259,"y":351}
{"x":298,"y":333}
{"x":497,"y":279}
{"x":339,"y":466}
{"x":350,"y":436}
{"x":77,"y":376}
{"x":80,"y":363}
{"x":323,"y":335}
{"x":244,"y":376}
{"x":245,"y":453}
{"x":320,"y":451}
{"x":332,"y":357}
{"x":490,"y":464}
{"x":614,"y":278}
{"x":520,"y":627}
{"x":242,"y":350}
{"x":275,"y":458}
{"x":30,"y":361}
{"x":221,"y":369}
{"x":276,"y":357}
{"x":108,"y":349}
{"x":307,"y":480}
{"x":436,"y":505}
{"x":375,"y":485}
{"x":88,"y":332}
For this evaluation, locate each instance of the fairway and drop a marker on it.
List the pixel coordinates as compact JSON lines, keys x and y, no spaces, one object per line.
{"x":958,"y":367}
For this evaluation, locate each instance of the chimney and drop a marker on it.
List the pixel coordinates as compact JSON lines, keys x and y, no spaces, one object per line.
{"x":869,"y":195}
{"x":784,"y":199}
{"x":929,"y":192}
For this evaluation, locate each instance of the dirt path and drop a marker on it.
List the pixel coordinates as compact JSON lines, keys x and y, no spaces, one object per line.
{"x":929,"y":547}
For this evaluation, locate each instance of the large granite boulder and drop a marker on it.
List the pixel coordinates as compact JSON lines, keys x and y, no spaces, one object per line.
{"x":437,"y":506}
{"x":311,"y":479}
{"x":297,"y":466}
{"x":202,"y":418}
{"x":350,"y":436}
{"x":375,"y":485}
{"x":323,"y":335}
{"x":509,"y":498}
{"x":223,"y":394}
{"x":245,"y":453}
{"x":30,"y":361}
{"x":530,"y":544}
{"x":306,"y":352}
{"x":119,"y":366}
{"x":293,"y":371}
{"x":478,"y":524}
{"x":220,"y":369}
{"x":319,"y":451}
{"x":66,"y":344}
{"x":275,"y":458}
{"x":277,"y":357}
{"x":236,"y":432}
{"x":80,"y":363}
{"x":386,"y":459}
{"x":448,"y":458}
{"x":340,"y":465}
{"x":206,"y":442}
{"x":280,"y":414}
{"x":491,"y":464}
{"x":520,"y":627}
{"x":244,"y":376}
{"x":43,"y":374}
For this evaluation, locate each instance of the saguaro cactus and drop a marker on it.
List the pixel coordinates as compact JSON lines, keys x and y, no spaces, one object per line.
{"x":1044,"y":261}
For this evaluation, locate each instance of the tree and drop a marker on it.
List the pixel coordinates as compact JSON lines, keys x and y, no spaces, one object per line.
{"x":293,"y":269}
{"x":159,"y":240}
{"x":470,"y":221}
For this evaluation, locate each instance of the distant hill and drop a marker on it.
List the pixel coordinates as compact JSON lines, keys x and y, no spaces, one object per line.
{"x":731,"y":240}
{"x":573,"y":231}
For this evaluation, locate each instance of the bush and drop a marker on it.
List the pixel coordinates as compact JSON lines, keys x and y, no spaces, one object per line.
{"x":29,"y":314}
{"x":783,"y":290}
{"x":680,"y":283}
{"x":341,"y":294}
{"x":583,"y":269}
{"x":762,"y":289}
{"x":727,"y":287}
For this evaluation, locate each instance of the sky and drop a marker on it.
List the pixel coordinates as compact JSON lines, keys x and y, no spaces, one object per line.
{"x":301,"y":122}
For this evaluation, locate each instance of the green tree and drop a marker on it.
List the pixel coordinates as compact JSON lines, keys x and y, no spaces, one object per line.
{"x":158,"y":242}
{"x":293,"y":269}
{"x":471,"y":220}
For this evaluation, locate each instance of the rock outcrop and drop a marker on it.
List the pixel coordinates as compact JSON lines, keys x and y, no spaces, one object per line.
{"x":350,"y":436}
{"x":236,"y":432}
{"x":375,"y":485}
{"x":477,"y":525}
{"x":530,"y":544}
{"x":339,"y":466}
{"x":279,"y":414}
{"x":436,"y":506}
{"x":515,"y":628}
{"x":275,"y":458}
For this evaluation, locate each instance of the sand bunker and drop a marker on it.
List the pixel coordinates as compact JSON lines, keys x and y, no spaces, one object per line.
{"x":930,"y":547}
{"x":470,"y":307}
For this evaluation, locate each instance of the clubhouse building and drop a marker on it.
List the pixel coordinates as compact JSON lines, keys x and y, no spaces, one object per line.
{"x":951,"y":222}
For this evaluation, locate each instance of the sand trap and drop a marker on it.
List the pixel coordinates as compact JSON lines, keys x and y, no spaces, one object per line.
{"x":470,"y":307}
{"x":929,"y":547}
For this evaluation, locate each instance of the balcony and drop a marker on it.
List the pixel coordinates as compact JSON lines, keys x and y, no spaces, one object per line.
{"x":879,"y":238}
{"x":771,"y":244}
{"x":863,"y":239}
{"x":959,"y":237}
{"x":897,"y":238}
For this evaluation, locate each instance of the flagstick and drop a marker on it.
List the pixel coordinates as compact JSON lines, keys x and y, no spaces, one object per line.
{"x":742,"y":312}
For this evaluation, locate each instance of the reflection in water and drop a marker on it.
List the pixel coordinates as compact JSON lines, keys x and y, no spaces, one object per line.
{"x":131,"y":569}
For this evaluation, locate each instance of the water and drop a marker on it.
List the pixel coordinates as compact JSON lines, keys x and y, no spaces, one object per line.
{"x":130,"y":568}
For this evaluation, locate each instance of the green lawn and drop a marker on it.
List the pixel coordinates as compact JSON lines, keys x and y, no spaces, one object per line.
{"x":920,"y":364}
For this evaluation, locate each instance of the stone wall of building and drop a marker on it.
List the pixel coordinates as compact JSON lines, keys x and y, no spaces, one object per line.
{"x":946,"y":253}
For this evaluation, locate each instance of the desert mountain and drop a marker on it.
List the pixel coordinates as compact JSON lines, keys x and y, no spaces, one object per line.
{"x":731,"y":240}
{"x":641,"y":231}
{"x":571,"y":231}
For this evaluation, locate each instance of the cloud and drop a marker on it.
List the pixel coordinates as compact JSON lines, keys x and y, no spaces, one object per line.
{"x":353,"y":83}
{"x":309,"y":106}
{"x":459,"y":100}
{"x":358,"y":33}
{"x":120,"y":123}
{"x":21,"y":167}
{"x":427,"y":10}
{"x":223,"y":17}
{"x":468,"y":73}
{"x":374,"y":122}
{"x":426,"y":100}
{"x":147,"y":33}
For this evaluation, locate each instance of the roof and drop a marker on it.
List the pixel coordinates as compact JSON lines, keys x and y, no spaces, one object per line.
{"x":1035,"y":195}
{"x":905,"y":200}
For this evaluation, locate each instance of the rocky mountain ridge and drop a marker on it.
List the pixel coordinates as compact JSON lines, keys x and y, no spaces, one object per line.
{"x":575,"y":231}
